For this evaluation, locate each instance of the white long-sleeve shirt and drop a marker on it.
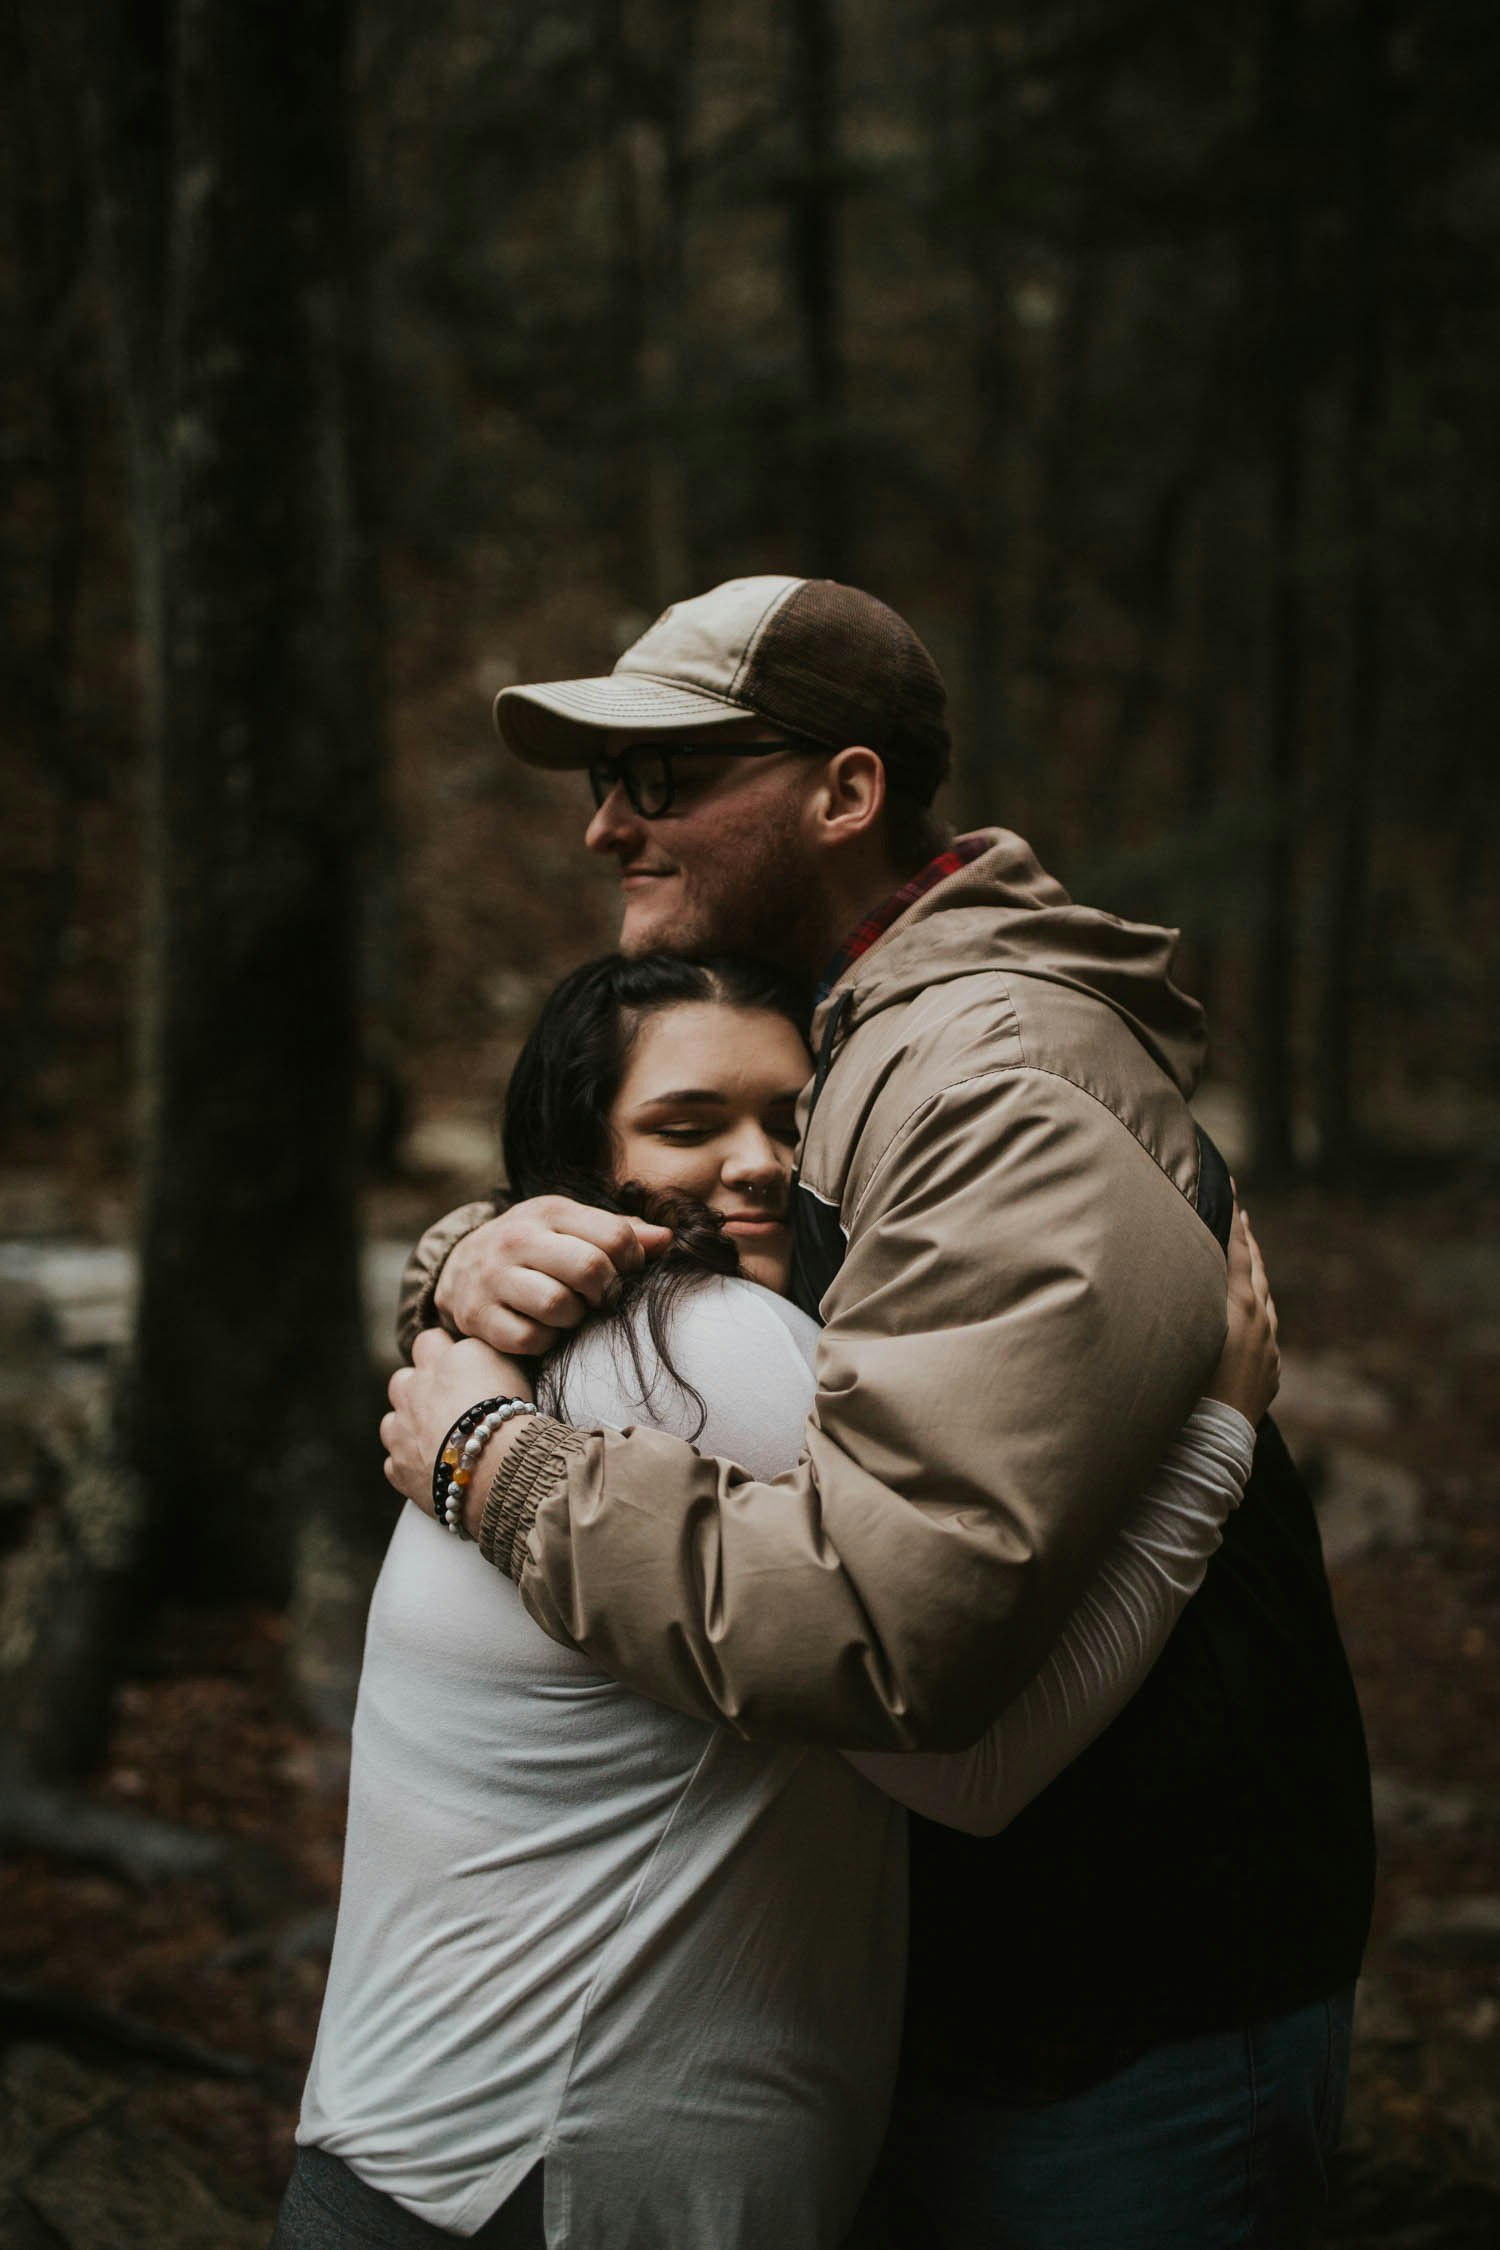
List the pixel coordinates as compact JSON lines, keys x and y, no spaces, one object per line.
{"x":581,"y":1927}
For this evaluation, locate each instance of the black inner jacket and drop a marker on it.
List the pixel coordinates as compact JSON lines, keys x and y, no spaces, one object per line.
{"x":1208,"y":1862}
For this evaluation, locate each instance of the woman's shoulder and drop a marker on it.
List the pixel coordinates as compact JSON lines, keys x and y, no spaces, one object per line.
{"x":727,"y":1305}
{"x":742,"y":1351}
{"x":748,"y":1354}
{"x":725,"y":1335}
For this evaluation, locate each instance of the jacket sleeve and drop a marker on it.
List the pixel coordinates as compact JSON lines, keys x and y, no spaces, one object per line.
{"x":414,"y":1307}
{"x":1108,"y":1645}
{"x":1027,"y":1310}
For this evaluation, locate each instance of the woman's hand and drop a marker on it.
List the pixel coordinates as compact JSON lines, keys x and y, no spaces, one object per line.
{"x":1248,"y":1375}
{"x":427,"y":1398}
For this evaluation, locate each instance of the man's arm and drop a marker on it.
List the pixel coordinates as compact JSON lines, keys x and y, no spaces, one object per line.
{"x":531,"y":1273}
{"x":415,"y":1306}
{"x":1109,"y":1643}
{"x":1028,"y":1309}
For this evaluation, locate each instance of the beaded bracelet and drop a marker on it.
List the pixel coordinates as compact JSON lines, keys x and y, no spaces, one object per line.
{"x":453,"y":1470}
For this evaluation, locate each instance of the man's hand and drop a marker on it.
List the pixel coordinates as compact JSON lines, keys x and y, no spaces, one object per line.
{"x":427,"y":1398}
{"x":522,"y":1281}
{"x":1249,"y":1371}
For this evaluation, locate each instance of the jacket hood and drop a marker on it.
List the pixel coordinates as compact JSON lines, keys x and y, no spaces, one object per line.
{"x":1004,"y":911}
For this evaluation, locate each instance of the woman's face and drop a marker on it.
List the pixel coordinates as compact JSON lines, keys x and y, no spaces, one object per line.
{"x":706,"y":1108}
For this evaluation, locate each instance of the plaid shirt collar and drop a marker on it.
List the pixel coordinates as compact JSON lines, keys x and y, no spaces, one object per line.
{"x":879,"y":920}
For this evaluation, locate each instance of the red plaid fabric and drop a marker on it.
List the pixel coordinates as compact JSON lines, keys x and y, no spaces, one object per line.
{"x":879,"y":920}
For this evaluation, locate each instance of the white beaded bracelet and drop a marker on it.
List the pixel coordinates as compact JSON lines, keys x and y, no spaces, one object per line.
{"x":460,"y":1455}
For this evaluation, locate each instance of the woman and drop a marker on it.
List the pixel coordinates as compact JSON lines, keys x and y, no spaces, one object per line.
{"x":583,"y":1931}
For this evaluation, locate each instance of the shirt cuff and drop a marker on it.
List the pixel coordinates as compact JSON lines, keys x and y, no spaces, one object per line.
{"x":1218,"y":1414}
{"x":534,"y":1465}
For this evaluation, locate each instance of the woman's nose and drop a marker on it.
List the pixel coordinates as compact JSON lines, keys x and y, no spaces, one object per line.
{"x":755,"y":1160}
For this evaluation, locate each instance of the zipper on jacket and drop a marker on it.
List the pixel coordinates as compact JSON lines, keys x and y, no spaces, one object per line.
{"x":817,"y":1238}
{"x":831,"y":1029}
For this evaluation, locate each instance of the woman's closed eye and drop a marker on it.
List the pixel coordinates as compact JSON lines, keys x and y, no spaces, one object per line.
{"x":692,"y":1136}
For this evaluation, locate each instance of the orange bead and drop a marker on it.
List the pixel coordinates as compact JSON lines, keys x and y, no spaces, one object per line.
{"x":451,"y":1456}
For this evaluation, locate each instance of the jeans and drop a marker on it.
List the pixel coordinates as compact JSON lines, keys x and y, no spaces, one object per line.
{"x":328,"y":2207}
{"x":1215,"y":2143}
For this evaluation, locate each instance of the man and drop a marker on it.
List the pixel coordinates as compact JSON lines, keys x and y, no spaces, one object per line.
{"x":1126,"y":2014}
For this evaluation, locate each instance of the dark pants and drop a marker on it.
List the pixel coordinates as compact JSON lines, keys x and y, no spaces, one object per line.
{"x":1219,"y":2143}
{"x":328,"y":2207}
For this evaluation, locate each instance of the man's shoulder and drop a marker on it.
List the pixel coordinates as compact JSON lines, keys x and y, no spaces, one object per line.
{"x":1052,"y":1042}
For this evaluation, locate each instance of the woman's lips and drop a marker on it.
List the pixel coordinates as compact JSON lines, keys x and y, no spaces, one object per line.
{"x":754,"y":1229}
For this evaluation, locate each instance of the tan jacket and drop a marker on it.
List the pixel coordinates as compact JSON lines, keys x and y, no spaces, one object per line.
{"x":1028,"y":1308}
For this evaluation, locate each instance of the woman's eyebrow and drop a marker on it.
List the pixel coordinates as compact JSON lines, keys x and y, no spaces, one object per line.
{"x":707,"y":1095}
{"x":688,"y":1094}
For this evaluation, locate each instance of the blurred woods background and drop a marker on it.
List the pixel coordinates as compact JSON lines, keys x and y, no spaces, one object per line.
{"x":359,"y":359}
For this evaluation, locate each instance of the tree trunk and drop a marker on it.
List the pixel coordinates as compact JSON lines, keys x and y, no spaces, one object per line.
{"x":816,"y":288}
{"x":238,"y":1453}
{"x":1272,"y":1090}
{"x":1146,"y":681}
{"x":986,"y":781}
{"x":1352,"y":779}
{"x":224,"y":160}
{"x":1214,"y":684}
{"x":249,"y":1399}
{"x":69,"y":1583}
{"x":647,"y":54}
{"x":1055,"y":532}
{"x":47,"y":212}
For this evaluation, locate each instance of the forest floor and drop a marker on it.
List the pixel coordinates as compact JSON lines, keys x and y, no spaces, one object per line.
{"x":1391,"y":1322}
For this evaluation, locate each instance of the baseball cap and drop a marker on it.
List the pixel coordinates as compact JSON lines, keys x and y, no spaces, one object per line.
{"x":806,"y":654}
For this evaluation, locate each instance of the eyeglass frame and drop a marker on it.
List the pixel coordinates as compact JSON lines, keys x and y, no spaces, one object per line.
{"x":607,"y":770}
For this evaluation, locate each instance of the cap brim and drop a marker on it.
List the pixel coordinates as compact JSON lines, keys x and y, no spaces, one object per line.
{"x":559,"y":722}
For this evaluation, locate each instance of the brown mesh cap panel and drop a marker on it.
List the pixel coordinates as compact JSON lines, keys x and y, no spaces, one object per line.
{"x":837,"y":665}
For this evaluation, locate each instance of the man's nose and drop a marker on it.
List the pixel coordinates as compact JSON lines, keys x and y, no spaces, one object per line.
{"x":616,"y":826}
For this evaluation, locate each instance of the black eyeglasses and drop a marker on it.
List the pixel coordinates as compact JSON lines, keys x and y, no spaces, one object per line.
{"x":645,"y":770}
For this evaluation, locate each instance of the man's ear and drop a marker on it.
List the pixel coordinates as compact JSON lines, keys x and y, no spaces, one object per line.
{"x":849,"y":798}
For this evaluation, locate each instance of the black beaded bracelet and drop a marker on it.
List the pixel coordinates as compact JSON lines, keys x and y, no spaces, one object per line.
{"x":453,"y":1470}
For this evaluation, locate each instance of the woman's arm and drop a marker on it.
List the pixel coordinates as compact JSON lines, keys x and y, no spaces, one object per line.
{"x":1109,"y":1644}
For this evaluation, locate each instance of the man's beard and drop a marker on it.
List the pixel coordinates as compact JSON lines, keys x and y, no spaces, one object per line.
{"x":769,"y":903}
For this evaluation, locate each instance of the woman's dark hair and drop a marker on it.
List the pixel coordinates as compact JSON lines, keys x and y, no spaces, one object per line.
{"x":556,"y":1135}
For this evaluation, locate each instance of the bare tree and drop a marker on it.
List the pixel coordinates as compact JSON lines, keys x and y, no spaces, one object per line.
{"x":990,"y":55}
{"x":814,"y":194}
{"x":646,"y":52}
{"x":1352,"y":779}
{"x":248,"y":1400}
{"x":1284,"y":346}
{"x":242,"y":1457}
{"x":44,"y":214}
